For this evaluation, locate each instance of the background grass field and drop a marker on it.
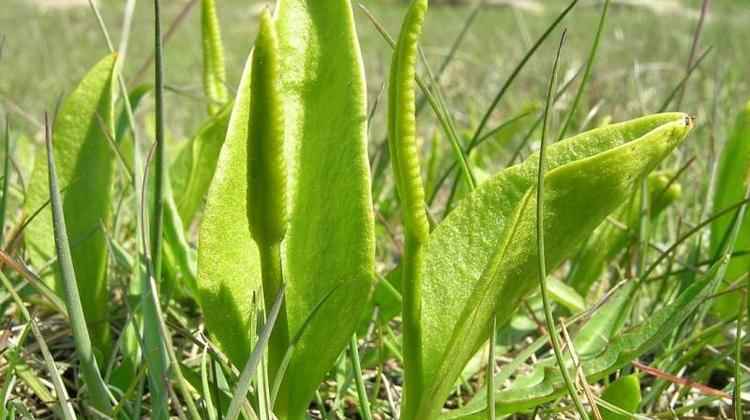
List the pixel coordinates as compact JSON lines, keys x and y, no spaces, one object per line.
{"x":643,"y":54}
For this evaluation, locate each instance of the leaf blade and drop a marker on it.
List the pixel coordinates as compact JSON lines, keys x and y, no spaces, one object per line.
{"x":460,"y":288}
{"x":85,"y":168}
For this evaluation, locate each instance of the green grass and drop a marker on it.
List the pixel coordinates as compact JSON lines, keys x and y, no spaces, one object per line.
{"x":51,"y":49}
{"x":641,"y":57}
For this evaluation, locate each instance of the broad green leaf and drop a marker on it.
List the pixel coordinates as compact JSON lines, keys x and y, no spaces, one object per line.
{"x":228,"y":261}
{"x":565,"y":295}
{"x":731,"y":183}
{"x":85,"y":164}
{"x":214,"y":73}
{"x":329,"y":244}
{"x":195,"y":165}
{"x":608,"y":240}
{"x":624,"y":393}
{"x":482,"y":257}
{"x":545,"y":383}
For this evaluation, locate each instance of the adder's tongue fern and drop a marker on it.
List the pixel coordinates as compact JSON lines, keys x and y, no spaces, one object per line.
{"x":404,"y":155}
{"x":266,"y":170}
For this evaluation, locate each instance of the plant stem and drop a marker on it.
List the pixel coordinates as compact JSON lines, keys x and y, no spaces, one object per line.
{"x":412,"y":336}
{"x":272,"y":277}
{"x":554,"y":337}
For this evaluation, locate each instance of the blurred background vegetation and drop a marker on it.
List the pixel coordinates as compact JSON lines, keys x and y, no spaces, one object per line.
{"x":48,"y":45}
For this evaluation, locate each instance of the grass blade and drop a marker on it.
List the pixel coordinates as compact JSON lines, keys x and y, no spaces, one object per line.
{"x":89,"y":368}
{"x":6,"y":179}
{"x":517,"y":71}
{"x":248,"y":372}
{"x":694,"y":47}
{"x":684,"y":79}
{"x":554,"y":337}
{"x":586,"y":73}
{"x":157,"y":218}
{"x":66,"y":409}
{"x":364,"y":402}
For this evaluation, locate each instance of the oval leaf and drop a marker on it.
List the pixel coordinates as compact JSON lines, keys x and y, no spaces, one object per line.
{"x":330,"y":240}
{"x":85,"y":163}
{"x":484,"y":252}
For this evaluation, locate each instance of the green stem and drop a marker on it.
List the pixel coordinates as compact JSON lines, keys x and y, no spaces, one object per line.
{"x":412,"y":334}
{"x":270,"y":263}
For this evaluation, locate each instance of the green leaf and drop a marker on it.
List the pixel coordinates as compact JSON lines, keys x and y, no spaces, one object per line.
{"x":85,"y":165}
{"x":329,"y":244}
{"x":624,"y":393}
{"x":565,"y":295}
{"x":545,"y":383}
{"x":608,"y":240}
{"x":733,"y":177}
{"x":483,"y":254}
{"x":195,"y":165}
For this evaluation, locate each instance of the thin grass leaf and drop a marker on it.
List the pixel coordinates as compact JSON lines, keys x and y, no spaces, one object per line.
{"x":29,"y":377}
{"x":160,"y":161}
{"x":248,"y":372}
{"x":6,"y":180}
{"x":516,"y":71}
{"x":89,"y":368}
{"x":154,"y":346}
{"x":694,"y":47}
{"x":364,"y":402}
{"x":586,"y":74}
{"x":684,"y":79}
{"x":66,"y":409}
{"x":548,"y":317}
